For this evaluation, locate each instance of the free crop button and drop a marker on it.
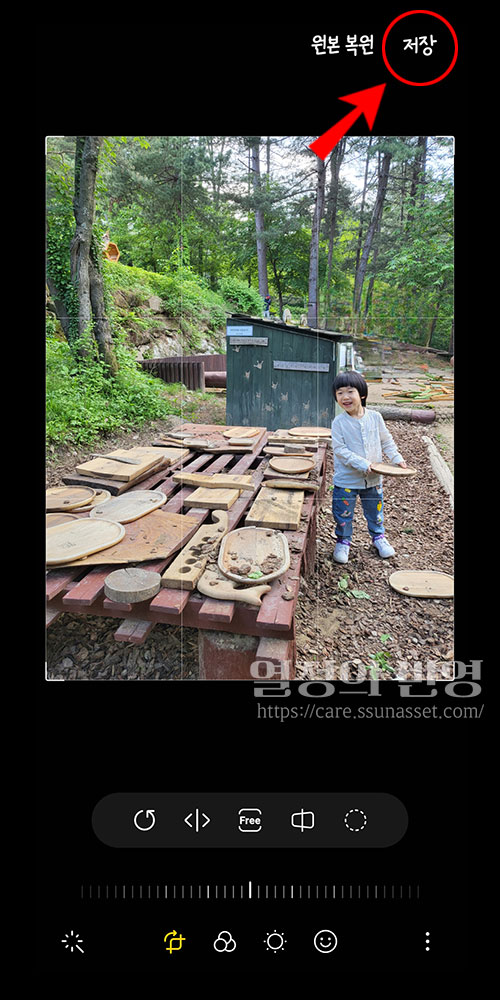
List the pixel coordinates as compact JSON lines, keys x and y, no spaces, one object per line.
{"x":250,"y":820}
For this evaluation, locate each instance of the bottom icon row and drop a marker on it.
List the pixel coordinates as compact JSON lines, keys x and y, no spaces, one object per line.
{"x":325,"y":941}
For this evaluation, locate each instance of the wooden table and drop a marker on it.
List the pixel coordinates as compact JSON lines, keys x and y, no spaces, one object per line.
{"x":236,"y":641}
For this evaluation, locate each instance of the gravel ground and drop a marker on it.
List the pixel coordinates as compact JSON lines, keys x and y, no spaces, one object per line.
{"x":339,"y":636}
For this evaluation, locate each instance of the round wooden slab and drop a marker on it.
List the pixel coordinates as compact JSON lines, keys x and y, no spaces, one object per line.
{"x":241,"y":432}
{"x":100,"y":498}
{"x":131,"y":585}
{"x":391,"y":470}
{"x":291,"y":466}
{"x":311,"y":431}
{"x":58,"y":518}
{"x":68,"y":497}
{"x":79,"y":538}
{"x":422,"y":583}
{"x":130,"y":506}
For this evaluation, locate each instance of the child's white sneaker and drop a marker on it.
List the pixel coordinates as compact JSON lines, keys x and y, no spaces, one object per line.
{"x":383,"y":548}
{"x":341,"y":552}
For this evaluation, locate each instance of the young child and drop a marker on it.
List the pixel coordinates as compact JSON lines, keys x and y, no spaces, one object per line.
{"x":359,"y":436}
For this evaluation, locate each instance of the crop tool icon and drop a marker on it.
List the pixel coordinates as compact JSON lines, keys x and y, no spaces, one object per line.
{"x":175,"y":943}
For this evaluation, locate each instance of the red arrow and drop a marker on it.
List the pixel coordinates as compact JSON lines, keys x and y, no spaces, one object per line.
{"x":367,"y":103}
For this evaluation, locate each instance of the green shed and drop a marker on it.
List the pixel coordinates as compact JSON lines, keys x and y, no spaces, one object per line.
{"x":280,"y":375}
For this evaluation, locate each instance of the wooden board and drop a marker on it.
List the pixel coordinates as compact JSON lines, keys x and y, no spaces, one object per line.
{"x":68,"y":497}
{"x":131,"y":585}
{"x":186,"y":569}
{"x":310,"y":431}
{"x":67,"y":542}
{"x":107,"y":469}
{"x":254,"y":550}
{"x":291,"y":466}
{"x":115,"y":486}
{"x":291,"y":484}
{"x":216,"y":482}
{"x":58,"y":517}
{"x":155,"y":536}
{"x":130,"y":507}
{"x":392,"y":470}
{"x":422,"y":583}
{"x":213,"y":584}
{"x":276,"y":509}
{"x":100,"y":498}
{"x":241,"y":432}
{"x":283,"y":451}
{"x":212,"y":499}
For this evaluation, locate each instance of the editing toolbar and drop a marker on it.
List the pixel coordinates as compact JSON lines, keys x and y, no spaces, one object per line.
{"x":264,"y":820}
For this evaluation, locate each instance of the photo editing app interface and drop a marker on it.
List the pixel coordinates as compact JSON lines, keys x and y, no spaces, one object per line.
{"x":317,"y":834}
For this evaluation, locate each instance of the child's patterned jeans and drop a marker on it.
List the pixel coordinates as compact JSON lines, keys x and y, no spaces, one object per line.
{"x":343,"y":504}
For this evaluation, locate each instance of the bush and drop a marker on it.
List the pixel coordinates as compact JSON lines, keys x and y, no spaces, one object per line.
{"x":83,"y":401}
{"x":239,"y":296}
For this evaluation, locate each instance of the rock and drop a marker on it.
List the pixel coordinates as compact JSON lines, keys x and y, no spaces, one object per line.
{"x":155,"y":303}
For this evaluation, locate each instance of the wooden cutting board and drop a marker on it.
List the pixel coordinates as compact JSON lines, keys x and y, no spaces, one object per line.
{"x":100,"y":498}
{"x":131,"y":585}
{"x":58,"y":518}
{"x":392,"y":470}
{"x":422,"y":583}
{"x":155,"y":536}
{"x":301,"y":452}
{"x":241,"y":432}
{"x":109,"y":469}
{"x":213,"y":584}
{"x":291,"y":484}
{"x":212,"y":499}
{"x":276,"y":509}
{"x":68,"y":497}
{"x":254,"y":550}
{"x":291,"y":466}
{"x":216,"y":482}
{"x":311,"y":431}
{"x":186,"y":569}
{"x":74,"y":540}
{"x":131,"y":506}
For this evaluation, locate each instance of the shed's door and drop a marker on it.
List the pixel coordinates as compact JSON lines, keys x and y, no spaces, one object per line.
{"x":303,"y":370}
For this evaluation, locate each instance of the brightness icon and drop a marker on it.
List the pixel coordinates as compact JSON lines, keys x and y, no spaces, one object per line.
{"x":72,"y":941}
{"x":275,"y":941}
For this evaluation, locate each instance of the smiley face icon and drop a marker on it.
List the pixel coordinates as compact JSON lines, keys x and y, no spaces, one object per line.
{"x":325,"y":942}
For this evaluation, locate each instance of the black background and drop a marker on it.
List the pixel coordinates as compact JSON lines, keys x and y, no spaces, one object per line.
{"x":94,"y":739}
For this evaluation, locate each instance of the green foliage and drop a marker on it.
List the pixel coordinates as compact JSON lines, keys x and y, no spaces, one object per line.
{"x":239,"y":296}
{"x":84,"y":402}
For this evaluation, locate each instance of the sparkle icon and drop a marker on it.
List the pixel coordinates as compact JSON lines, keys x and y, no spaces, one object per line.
{"x":72,"y":941}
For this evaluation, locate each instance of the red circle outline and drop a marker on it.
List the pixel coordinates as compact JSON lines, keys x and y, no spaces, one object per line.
{"x":411,"y":82}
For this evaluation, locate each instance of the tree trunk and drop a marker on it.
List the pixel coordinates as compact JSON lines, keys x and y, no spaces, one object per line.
{"x":313,"y":305}
{"x":374,"y":221}
{"x":85,"y":269}
{"x":363,"y":199}
{"x":335,"y":164}
{"x":259,"y":222}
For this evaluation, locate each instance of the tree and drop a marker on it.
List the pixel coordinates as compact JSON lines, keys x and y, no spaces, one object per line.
{"x":370,"y":233}
{"x":259,"y":217}
{"x":313,"y":285}
{"x":85,"y":253}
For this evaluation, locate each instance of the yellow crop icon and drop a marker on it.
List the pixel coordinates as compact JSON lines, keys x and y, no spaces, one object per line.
{"x":175,"y":944}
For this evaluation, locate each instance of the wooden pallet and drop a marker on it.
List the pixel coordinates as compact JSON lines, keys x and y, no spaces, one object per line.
{"x":82,"y":591}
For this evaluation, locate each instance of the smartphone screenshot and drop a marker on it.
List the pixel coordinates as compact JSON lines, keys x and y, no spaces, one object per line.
{"x":261,"y":700}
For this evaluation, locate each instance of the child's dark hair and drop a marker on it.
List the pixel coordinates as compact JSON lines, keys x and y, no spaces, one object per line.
{"x":355,"y":380}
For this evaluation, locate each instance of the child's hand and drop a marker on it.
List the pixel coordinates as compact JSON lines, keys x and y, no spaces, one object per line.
{"x":403,"y":465}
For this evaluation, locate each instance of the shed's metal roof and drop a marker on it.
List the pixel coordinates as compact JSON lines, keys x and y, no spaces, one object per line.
{"x":327,"y":334}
